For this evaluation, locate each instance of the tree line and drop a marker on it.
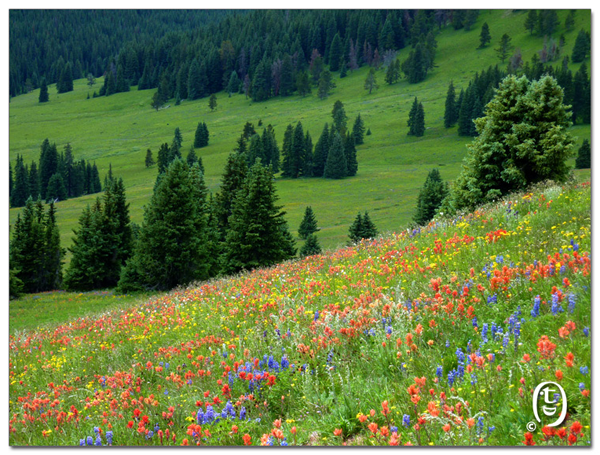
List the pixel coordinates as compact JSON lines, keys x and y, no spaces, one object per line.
{"x":54,"y":177}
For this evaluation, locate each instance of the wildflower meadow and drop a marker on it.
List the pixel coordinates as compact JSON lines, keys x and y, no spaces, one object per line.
{"x":432,"y":336}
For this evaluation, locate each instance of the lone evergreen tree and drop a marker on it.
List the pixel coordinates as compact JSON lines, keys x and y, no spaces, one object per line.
{"x":484,"y":36}
{"x":584,"y":156}
{"x":504,"y":47}
{"x":369,"y":231}
{"x":356,"y":228}
{"x":350,"y":152}
{"x":149,"y":161}
{"x":44,"y":97}
{"x":339,"y":117}
{"x":371,"y":81}
{"x":531,"y":20}
{"x":212,"y":102}
{"x":308,"y":225}
{"x":430,"y":197}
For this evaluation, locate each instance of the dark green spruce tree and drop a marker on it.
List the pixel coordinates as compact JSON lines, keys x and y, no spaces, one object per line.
{"x":44,"y":97}
{"x":358,"y":130}
{"x":308,"y":225}
{"x":311,"y":246}
{"x":430,"y":197}
{"x":171,"y":249}
{"x":584,"y":156}
{"x":450,"y":113}
{"x":256,"y":235}
{"x":336,"y":166}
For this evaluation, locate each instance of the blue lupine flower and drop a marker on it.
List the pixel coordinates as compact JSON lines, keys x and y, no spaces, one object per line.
{"x":536,"y":307}
{"x":581,"y":386}
{"x":242,"y":413}
{"x":447,"y":343}
{"x":156,"y":428}
{"x":150,"y":434}
{"x":499,"y":259}
{"x":90,"y":441}
{"x":167,"y":365}
{"x":563,"y":269}
{"x":96,"y":430}
{"x":406,"y":420}
{"x":583,"y":370}
{"x":285,"y":362}
{"x":492,"y":428}
{"x":479,"y":425}
{"x":98,"y":442}
{"x":505,"y":340}
{"x":571,"y":306}
{"x":484,"y":332}
{"x":166,"y":392}
{"x":316,"y":315}
{"x":555,"y":304}
{"x":473,"y":379}
{"x":586,"y":331}
{"x":474,"y":322}
{"x":284,"y":443}
{"x":451,"y":378}
{"x":82,"y":442}
{"x":393,"y":429}
{"x":439,"y":371}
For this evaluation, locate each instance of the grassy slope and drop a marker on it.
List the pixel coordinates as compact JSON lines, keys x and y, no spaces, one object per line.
{"x":392,"y":166}
{"x":364,"y":321}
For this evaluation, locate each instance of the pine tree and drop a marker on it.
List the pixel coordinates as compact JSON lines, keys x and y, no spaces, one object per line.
{"x":412,"y":115}
{"x":336,"y":166}
{"x":371,"y":81}
{"x":321,"y":152}
{"x":531,"y":20}
{"x":65,"y":83}
{"x":584,"y":156}
{"x":270,"y":148}
{"x":369,"y":231}
{"x":430,"y":197}
{"x":356,"y":229}
{"x":504,"y":159}
{"x":122,"y":84}
{"x":48,"y":165}
{"x":581,"y":48}
{"x":335,"y":53}
{"x":21,"y":189}
{"x":464,"y":114}
{"x":232,"y":180}
{"x":308,"y":225}
{"x":326,"y":84}
{"x":149,"y":161}
{"x":484,"y":36}
{"x":287,"y":166}
{"x":570,"y":20}
{"x":298,"y":162}
{"x":163,"y":158}
{"x":303,"y":83}
{"x":233,"y":85}
{"x":96,"y":179}
{"x":56,"y":189}
{"x":358,"y":131}
{"x":191,"y":158}
{"x":504,"y":47}
{"x":339,"y":116}
{"x":310,"y":247}
{"x":157,"y":100}
{"x":255,"y":151}
{"x":212,"y":102}
{"x":44,"y":97}
{"x":171,"y":249}
{"x":256,"y":235}
{"x":35,"y":252}
{"x":287,"y":85}
{"x":350,"y":152}
{"x":450,"y":114}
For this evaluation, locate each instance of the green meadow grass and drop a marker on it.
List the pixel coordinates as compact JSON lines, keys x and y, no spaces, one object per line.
{"x":118,"y":129}
{"x":35,"y":311}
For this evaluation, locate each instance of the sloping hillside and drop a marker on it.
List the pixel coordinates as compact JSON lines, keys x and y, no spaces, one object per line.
{"x":435,"y":336}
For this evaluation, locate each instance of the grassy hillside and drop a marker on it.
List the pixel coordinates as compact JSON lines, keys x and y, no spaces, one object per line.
{"x":392,"y":166}
{"x":435,"y":336}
